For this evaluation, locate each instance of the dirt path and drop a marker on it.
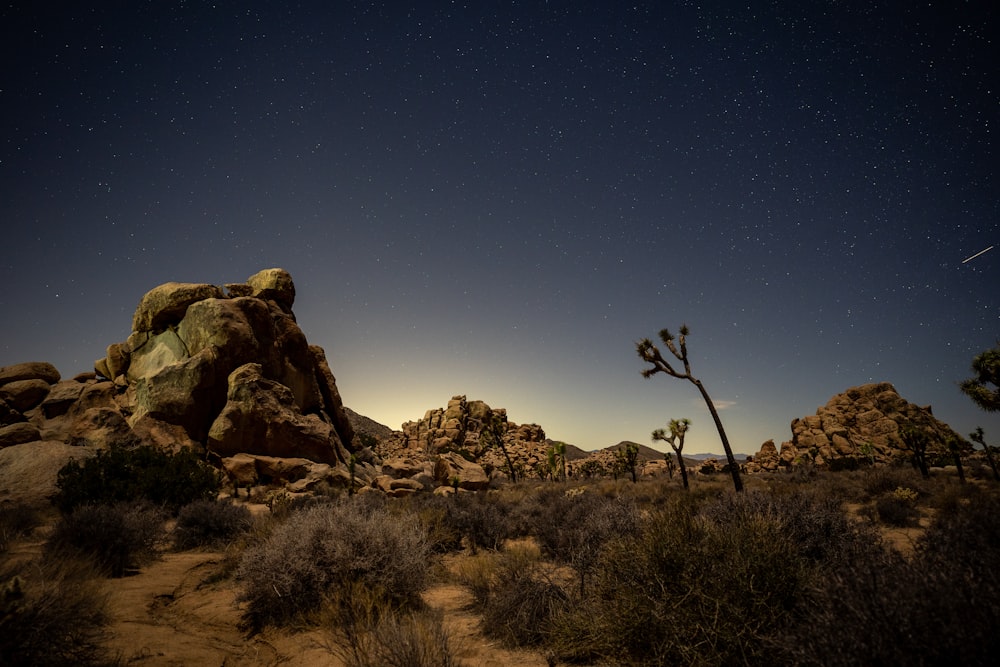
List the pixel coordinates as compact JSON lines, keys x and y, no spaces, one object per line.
{"x":167,"y":615}
{"x":171,"y":615}
{"x":463,"y":626}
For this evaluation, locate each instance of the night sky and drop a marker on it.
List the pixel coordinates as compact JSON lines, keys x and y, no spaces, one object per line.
{"x":499,"y":199}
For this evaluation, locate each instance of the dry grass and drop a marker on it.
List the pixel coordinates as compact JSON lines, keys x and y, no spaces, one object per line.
{"x":53,"y":612}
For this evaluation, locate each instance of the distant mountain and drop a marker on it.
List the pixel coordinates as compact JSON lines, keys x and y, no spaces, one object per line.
{"x":645,"y":453}
{"x":367,"y":426}
{"x":740,"y":458}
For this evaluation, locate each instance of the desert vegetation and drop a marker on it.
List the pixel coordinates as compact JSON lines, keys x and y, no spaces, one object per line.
{"x":805,"y":568}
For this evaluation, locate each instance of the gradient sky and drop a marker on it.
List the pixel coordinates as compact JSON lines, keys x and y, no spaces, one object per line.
{"x":499,"y":199}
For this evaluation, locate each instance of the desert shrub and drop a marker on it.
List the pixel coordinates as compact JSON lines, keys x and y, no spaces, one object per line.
{"x":886,"y":479}
{"x":206,"y":523}
{"x":16,"y":520}
{"x":440,"y":517}
{"x":816,"y":524}
{"x":573,"y":528}
{"x":386,"y":638}
{"x":704,"y":582}
{"x":481,"y":520}
{"x":845,"y":463}
{"x":514,"y":593}
{"x":123,"y":474}
{"x":320,"y":550}
{"x":897,"y":508}
{"x":942,"y":606}
{"x":118,"y":538}
{"x":521,"y":606}
{"x":478,"y":573}
{"x":52,"y":613}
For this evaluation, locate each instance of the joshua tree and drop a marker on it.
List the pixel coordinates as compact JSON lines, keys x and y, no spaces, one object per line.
{"x":678,"y":427}
{"x":915,"y":440}
{"x":956,"y":453}
{"x":986,"y":366}
{"x":626,"y":458}
{"x":557,"y":460}
{"x":649,"y":353}
{"x":492,"y":433}
{"x":977,"y":436}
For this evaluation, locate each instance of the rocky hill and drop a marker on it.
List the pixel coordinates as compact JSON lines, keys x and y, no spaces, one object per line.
{"x":862,"y":423}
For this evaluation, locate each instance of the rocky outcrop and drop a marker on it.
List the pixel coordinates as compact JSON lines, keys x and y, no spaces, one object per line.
{"x":448,"y":446}
{"x":862,"y":423}
{"x":460,"y":426}
{"x":227,"y":370}
{"x":234,"y":371}
{"x":248,"y":471}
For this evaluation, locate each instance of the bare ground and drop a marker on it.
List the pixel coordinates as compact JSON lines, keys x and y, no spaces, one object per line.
{"x":173,"y":614}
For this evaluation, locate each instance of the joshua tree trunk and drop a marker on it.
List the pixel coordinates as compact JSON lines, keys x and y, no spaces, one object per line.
{"x":734,"y":469}
{"x":684,"y":470}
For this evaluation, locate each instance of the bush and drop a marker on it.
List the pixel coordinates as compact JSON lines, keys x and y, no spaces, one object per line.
{"x":122,"y":474}
{"x":573,"y":529}
{"x":52,"y":614}
{"x":896,"y":510}
{"x":440,"y":517}
{"x":521,"y":606}
{"x":210,"y":523}
{"x":16,"y":520}
{"x":481,"y":520}
{"x":375,"y":636}
{"x":705,"y":585}
{"x":318,"y":551}
{"x":886,"y":479}
{"x":940,"y":607}
{"x":118,"y":538}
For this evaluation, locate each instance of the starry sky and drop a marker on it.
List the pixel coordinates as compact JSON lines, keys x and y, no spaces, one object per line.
{"x":498,"y":199}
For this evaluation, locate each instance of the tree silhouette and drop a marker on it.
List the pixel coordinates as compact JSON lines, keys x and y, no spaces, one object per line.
{"x":986,"y":366}
{"x":626,"y":459}
{"x":915,"y":440}
{"x":978,"y":436}
{"x":678,"y":427}
{"x":492,"y":433}
{"x":649,"y":353}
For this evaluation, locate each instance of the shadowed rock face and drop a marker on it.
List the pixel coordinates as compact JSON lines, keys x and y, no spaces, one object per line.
{"x":227,"y":370}
{"x":862,"y":422}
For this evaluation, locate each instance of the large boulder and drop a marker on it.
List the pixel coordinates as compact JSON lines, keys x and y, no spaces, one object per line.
{"x":260,"y":417}
{"x":29,"y":370}
{"x":451,"y":469}
{"x":28,"y":472}
{"x":23,"y":395}
{"x":274,"y":285}
{"x":178,"y":373}
{"x":18,"y":434}
{"x":166,"y":304}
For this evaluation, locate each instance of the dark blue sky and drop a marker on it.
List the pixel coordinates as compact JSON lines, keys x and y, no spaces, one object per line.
{"x":498,"y":199}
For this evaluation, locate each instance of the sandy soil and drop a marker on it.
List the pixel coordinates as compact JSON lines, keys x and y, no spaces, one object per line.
{"x":173,"y":614}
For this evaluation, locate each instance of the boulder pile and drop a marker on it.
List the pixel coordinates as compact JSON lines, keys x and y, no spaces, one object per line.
{"x":863,"y":423}
{"x":450,"y":446}
{"x":223,"y":370}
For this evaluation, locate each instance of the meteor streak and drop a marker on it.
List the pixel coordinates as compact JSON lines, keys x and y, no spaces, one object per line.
{"x":969,"y":259}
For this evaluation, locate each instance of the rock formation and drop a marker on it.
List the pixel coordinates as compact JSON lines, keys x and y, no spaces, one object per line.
{"x":225,"y":370}
{"x":863,"y":423}
{"x":448,"y":445}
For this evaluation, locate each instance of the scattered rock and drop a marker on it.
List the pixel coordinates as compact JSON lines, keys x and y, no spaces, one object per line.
{"x":18,"y":434}
{"x":23,"y":395}
{"x":29,"y":370}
